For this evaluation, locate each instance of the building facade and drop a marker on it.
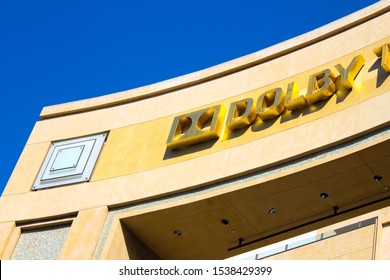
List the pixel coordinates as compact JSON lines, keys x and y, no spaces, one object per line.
{"x":293,"y":140}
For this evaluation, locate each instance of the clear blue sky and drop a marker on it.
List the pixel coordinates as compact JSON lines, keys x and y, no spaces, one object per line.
{"x":54,"y":51}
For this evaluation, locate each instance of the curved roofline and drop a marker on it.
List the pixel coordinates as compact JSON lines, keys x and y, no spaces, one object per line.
{"x":222,"y":69}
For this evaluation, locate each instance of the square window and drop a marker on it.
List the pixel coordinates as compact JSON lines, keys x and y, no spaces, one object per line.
{"x":70,"y":161}
{"x":67,"y":158}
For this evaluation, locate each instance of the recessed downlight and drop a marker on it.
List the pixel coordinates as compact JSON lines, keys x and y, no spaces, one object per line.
{"x":225,"y":222}
{"x":272,"y":211}
{"x":378,"y":178}
{"x":324,"y":195}
{"x":177,"y":232}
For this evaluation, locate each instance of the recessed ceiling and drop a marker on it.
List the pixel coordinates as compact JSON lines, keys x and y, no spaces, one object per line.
{"x":348,"y":183}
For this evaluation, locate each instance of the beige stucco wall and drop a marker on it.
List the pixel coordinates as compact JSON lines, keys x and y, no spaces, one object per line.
{"x":84,"y":234}
{"x":367,"y":243}
{"x":356,"y":245}
{"x":135,"y":164}
{"x":386,"y":242}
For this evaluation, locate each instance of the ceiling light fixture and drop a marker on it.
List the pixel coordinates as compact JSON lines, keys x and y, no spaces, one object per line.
{"x":377,"y":178}
{"x":177,"y":232}
{"x":225,"y":222}
{"x":272,"y":211}
{"x":324,"y":195}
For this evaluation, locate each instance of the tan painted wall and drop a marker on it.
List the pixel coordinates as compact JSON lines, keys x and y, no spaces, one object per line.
{"x":84,"y":234}
{"x":8,"y":237}
{"x":354,"y":245}
{"x":367,"y":243}
{"x":116,"y":248}
{"x":386,"y":242}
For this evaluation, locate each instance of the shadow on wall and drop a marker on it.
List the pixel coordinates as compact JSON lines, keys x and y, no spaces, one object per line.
{"x":382,"y":74}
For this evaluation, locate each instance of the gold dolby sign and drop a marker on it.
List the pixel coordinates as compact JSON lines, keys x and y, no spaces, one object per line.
{"x":208,"y":123}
